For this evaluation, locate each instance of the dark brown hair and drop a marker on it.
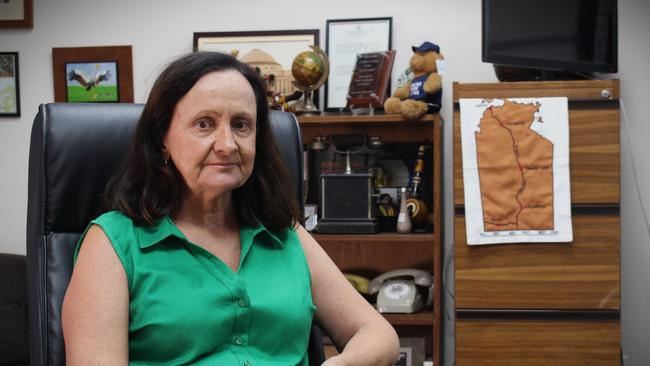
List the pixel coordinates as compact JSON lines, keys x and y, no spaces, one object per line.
{"x":146,"y":189}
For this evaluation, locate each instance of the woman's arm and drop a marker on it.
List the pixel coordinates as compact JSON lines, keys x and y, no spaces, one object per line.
{"x":365,"y":337}
{"x":95,"y":313}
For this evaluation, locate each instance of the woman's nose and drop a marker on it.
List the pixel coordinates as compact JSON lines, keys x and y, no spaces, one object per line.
{"x":224,"y":140}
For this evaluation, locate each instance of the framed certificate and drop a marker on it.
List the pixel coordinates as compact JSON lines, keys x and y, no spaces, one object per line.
{"x":346,"y":38}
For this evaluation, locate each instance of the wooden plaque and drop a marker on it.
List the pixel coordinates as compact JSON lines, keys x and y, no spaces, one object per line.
{"x":370,"y":77}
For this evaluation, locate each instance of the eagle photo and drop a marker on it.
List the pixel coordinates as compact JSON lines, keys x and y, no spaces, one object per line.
{"x":91,"y":82}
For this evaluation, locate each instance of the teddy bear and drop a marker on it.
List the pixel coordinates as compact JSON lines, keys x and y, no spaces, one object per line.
{"x":423,"y":94}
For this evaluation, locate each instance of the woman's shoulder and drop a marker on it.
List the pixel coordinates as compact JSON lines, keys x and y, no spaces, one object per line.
{"x":114,"y":218}
{"x":121,"y":233}
{"x":116,"y":223}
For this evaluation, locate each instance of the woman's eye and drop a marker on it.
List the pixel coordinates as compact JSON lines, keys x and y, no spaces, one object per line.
{"x":241,"y":125}
{"x":202,"y":124}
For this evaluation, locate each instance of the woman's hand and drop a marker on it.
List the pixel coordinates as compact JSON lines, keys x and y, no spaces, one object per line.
{"x":363,"y":335}
{"x":335,"y":361}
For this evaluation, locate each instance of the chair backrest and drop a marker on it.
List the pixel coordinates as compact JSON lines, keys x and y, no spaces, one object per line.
{"x":74,"y":150}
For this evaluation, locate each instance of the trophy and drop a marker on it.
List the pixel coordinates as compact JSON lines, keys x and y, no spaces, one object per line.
{"x":369,"y":83}
{"x":310,"y":70}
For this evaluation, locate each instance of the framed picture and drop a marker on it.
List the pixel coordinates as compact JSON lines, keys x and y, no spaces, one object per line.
{"x":411,"y":352}
{"x":346,"y":38}
{"x":405,"y":357}
{"x":93,"y":74}
{"x":270,"y":52}
{"x":16,"y":14}
{"x":9,"y":90}
{"x":91,"y":82}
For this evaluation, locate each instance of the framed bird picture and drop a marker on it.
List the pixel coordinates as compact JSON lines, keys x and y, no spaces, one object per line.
{"x":93,"y":74}
{"x":91,"y":82}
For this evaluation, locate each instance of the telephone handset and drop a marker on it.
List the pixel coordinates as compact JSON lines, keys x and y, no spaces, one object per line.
{"x":358,"y":282}
{"x":402,"y":291}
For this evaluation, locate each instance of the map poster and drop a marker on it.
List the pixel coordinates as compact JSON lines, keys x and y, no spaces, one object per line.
{"x":516,"y":170}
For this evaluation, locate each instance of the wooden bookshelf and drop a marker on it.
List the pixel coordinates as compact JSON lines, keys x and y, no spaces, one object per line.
{"x":548,"y":303}
{"x":370,"y":255}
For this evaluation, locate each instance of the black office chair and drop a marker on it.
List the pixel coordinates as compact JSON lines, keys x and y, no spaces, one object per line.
{"x":14,"y":341}
{"x":74,"y":150}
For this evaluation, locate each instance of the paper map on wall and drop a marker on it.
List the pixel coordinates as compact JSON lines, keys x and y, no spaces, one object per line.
{"x":516,"y":170}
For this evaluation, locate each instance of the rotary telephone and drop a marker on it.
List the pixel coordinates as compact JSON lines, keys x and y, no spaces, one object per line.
{"x":402,"y":291}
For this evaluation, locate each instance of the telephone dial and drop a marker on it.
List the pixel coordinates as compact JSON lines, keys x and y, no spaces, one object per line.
{"x":402,"y":291}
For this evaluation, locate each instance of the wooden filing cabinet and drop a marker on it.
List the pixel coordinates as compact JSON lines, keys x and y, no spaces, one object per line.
{"x":548,"y":303}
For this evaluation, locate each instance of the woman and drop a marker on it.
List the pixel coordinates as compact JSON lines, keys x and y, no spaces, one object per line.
{"x":202,"y":260}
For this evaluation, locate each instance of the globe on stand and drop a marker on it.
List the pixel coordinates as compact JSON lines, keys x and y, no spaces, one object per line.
{"x":310,"y":69}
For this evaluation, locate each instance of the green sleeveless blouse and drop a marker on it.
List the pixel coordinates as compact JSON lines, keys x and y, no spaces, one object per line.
{"x":188,"y":307}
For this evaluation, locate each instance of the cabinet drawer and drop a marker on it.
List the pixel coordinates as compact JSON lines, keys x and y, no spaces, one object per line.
{"x":488,"y":343}
{"x":583,"y":274}
{"x":594,"y":156}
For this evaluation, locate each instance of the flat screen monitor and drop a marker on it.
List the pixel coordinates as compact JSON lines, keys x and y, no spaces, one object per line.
{"x":563,"y":35}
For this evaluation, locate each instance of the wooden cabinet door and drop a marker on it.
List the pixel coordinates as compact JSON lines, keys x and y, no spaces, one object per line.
{"x":540,"y":304}
{"x":583,"y":274}
{"x":537,"y":343}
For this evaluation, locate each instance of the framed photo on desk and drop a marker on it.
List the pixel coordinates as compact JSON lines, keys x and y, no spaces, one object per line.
{"x":346,"y":38}
{"x":411,"y":352}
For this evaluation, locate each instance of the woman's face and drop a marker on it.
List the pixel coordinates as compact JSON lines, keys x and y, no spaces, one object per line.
{"x":211,"y":137}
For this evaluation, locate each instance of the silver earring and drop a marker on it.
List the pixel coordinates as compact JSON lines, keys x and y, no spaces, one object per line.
{"x":165,"y":156}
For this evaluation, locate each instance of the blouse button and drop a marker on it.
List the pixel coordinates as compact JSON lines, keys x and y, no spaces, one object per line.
{"x":238,"y":341}
{"x":247,"y":363}
{"x":242,"y":303}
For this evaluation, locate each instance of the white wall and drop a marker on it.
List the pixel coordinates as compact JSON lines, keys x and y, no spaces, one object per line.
{"x":634,"y":53}
{"x":160,"y":30}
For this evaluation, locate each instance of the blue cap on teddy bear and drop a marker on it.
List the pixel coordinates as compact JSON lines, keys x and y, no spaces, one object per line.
{"x":426,"y":46}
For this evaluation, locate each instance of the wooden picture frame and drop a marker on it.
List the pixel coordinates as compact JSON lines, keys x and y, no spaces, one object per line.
{"x":345,"y":39}
{"x":405,"y":357}
{"x":9,"y":85}
{"x":411,"y":351}
{"x":270,"y":52}
{"x":16,"y":14}
{"x":65,"y":60}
